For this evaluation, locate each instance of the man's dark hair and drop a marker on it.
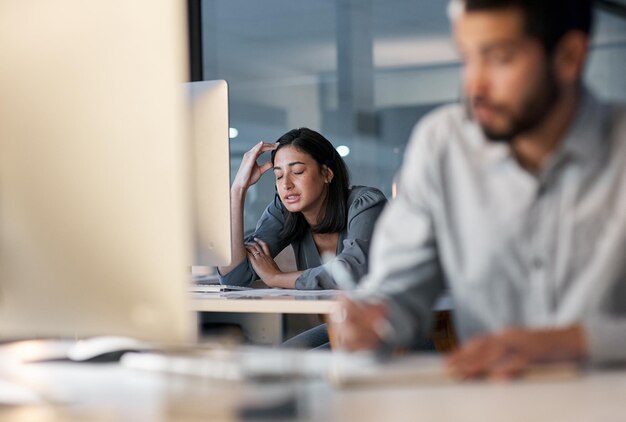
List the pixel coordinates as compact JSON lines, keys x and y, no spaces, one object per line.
{"x":336,"y":210}
{"x":546,"y":20}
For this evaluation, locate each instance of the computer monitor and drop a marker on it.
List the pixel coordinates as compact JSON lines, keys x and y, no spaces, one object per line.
{"x":95,"y":188}
{"x":208,"y":106}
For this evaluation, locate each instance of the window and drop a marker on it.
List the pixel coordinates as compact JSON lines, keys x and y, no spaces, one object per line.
{"x":362,"y":72}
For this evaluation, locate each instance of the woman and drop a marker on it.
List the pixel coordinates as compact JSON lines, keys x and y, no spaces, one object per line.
{"x":315,"y":211}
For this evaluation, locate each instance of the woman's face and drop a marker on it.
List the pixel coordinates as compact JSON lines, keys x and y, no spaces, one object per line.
{"x":301,"y":182}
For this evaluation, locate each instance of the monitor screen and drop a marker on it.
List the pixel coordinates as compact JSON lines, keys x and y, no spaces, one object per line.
{"x":208,"y":106}
{"x":95,"y":189}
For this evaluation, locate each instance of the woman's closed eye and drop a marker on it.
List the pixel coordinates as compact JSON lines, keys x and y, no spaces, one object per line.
{"x":280,"y":175}
{"x":298,"y":169}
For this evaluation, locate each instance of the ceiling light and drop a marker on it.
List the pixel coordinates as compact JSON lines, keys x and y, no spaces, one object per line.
{"x":343,"y":150}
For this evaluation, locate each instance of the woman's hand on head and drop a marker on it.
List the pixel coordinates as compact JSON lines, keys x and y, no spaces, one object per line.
{"x":249,"y":170}
{"x":262,"y":262}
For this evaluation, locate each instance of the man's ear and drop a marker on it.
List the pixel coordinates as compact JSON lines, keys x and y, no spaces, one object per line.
{"x":569,"y":57}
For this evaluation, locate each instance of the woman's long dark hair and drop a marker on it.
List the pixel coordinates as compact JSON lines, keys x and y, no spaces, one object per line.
{"x":336,"y":210}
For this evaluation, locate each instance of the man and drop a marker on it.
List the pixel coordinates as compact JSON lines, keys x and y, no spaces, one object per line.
{"x":515,"y":202}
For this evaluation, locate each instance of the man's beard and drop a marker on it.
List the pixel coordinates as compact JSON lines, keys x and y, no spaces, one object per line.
{"x":535,"y":109}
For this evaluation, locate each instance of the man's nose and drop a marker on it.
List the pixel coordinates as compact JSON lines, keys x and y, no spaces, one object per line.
{"x":474,"y":80}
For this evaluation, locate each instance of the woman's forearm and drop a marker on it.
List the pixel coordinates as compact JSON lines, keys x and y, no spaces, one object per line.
{"x":248,"y":174}
{"x":283,"y":280}
{"x":237,"y":200}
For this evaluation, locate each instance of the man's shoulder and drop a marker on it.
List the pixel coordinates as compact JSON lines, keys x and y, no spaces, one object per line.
{"x":442,"y":120}
{"x":615,"y":129}
{"x":610,"y":113}
{"x":442,"y":127}
{"x":446,"y":113}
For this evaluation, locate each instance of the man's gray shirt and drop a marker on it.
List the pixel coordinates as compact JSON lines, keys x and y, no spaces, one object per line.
{"x":513,"y":248}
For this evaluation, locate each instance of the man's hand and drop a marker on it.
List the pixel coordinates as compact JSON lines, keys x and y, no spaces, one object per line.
{"x":358,"y":325}
{"x":509,"y":353}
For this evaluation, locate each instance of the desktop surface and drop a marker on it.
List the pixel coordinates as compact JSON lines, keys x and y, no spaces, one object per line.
{"x":70,"y":391}
{"x":280,"y":301}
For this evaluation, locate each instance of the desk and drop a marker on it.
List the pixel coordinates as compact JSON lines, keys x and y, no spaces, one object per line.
{"x":269,"y":329}
{"x":243,"y":308}
{"x":596,"y":396}
{"x":106,"y":392}
{"x":263,"y":301}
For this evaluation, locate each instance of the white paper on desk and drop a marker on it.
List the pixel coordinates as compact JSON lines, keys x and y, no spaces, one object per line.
{"x":351,"y":370}
{"x":260,"y":293}
{"x":12,"y":394}
{"x":246,"y":362}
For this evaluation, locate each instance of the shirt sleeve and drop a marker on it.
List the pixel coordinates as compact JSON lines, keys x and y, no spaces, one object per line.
{"x":606,"y":340}
{"x":362,"y":216}
{"x":267,"y":229}
{"x":605,"y":328}
{"x":405,"y":272}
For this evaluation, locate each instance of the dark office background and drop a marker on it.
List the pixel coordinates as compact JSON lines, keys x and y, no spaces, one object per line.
{"x":360,"y":71}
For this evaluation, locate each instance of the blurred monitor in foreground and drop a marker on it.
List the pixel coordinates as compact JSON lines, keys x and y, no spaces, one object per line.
{"x":95,"y":188}
{"x":208,"y":105}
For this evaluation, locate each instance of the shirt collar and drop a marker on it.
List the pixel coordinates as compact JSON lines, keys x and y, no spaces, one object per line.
{"x":585,"y":136}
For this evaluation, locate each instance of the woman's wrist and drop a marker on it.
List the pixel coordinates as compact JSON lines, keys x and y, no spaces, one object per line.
{"x":238,"y":192}
{"x":274,"y":279}
{"x":283,"y":280}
